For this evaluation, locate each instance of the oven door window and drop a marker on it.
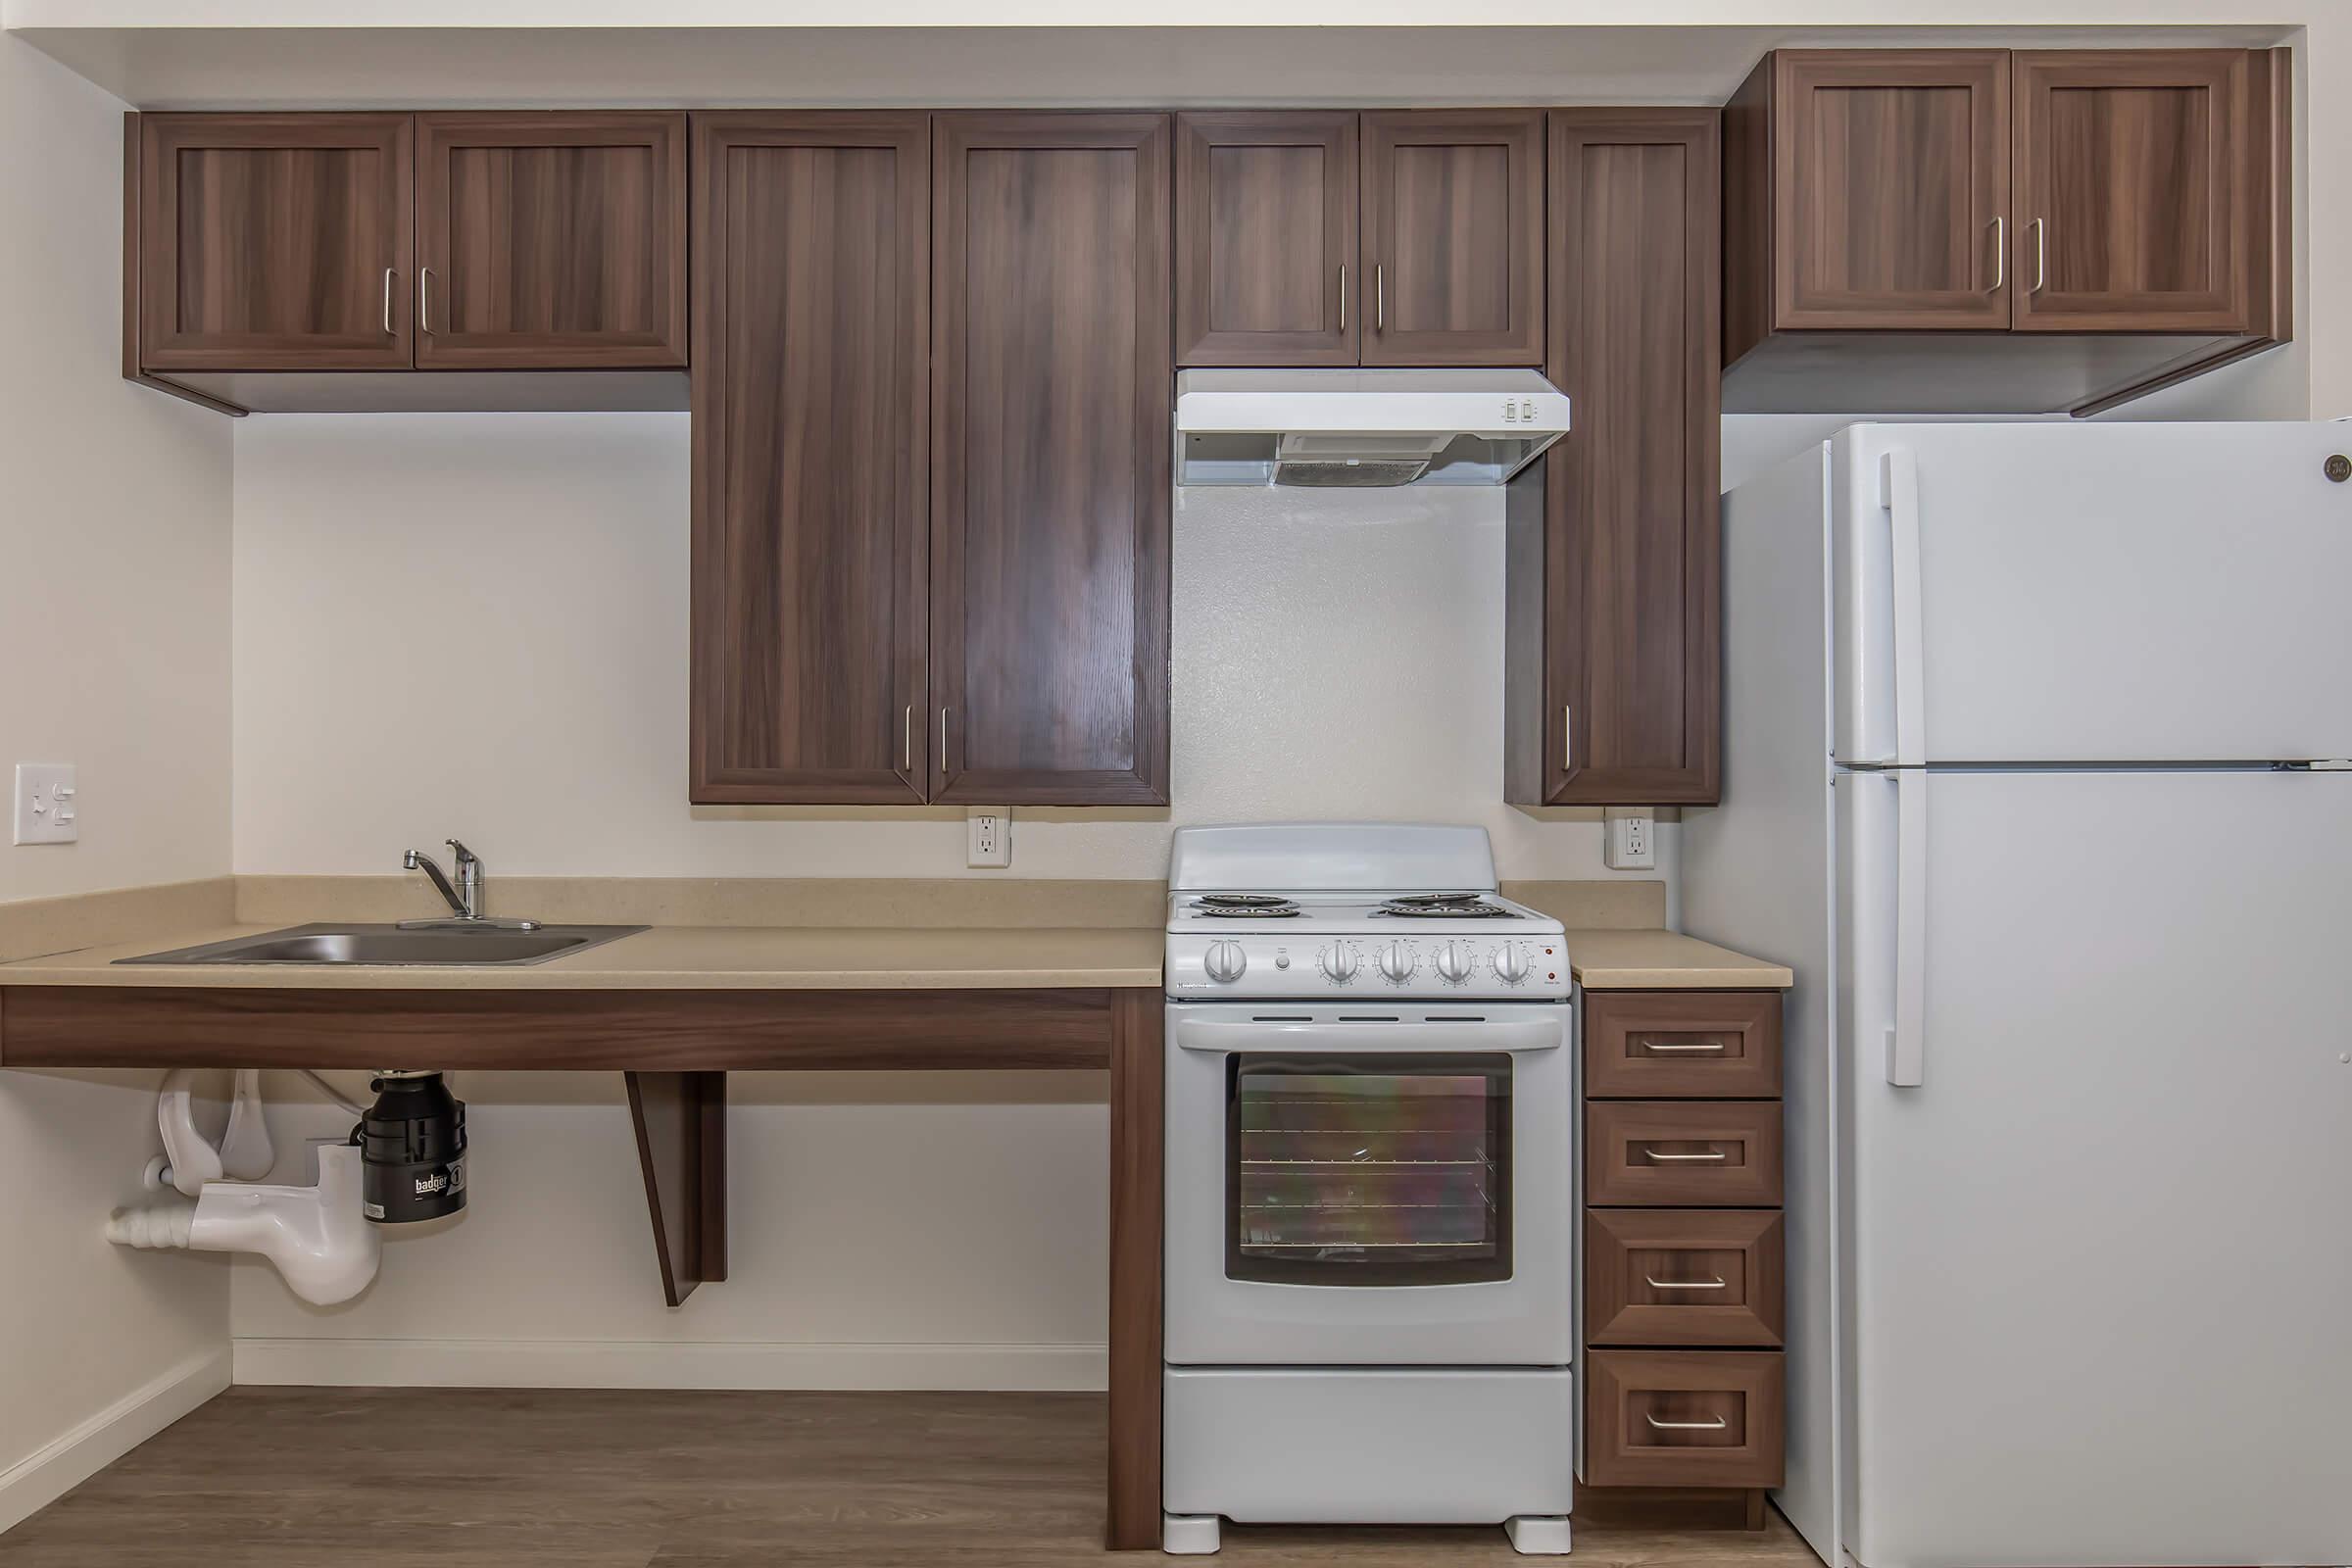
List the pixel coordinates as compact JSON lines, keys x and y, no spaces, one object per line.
{"x":1370,"y":1169}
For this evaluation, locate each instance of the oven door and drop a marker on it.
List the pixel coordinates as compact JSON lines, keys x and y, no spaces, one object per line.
{"x":1378,"y":1184}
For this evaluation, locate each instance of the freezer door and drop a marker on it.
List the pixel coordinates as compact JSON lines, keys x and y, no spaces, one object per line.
{"x":2070,"y":592}
{"x":2097,"y":1254}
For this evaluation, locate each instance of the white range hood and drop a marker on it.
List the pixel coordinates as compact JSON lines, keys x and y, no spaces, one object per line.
{"x":1362,"y":428}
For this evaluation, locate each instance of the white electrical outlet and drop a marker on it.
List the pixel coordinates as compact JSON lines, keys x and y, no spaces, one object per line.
{"x":48,"y":805}
{"x":988,"y":835}
{"x":1631,"y":842}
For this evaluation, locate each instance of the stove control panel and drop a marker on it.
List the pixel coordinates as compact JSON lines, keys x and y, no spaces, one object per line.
{"x":1302,"y":964}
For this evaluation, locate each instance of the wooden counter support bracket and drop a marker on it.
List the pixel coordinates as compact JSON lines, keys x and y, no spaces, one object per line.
{"x":681,"y":1121}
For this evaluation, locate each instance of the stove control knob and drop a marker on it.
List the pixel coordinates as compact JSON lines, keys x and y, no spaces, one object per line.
{"x":1226,"y":961}
{"x":1455,"y":963}
{"x":1510,"y":964}
{"x":1397,"y":962}
{"x":1340,"y":961}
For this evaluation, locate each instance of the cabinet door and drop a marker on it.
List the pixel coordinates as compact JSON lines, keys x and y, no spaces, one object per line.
{"x":1890,"y":184}
{"x":551,"y":241}
{"x":1454,"y":236}
{"x":1051,"y":456}
{"x":275,"y":242}
{"x":811,"y":249}
{"x":1613,"y":605}
{"x":1265,"y":238}
{"x":2143,"y":190}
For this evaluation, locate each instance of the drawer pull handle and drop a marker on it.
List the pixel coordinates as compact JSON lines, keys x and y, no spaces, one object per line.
{"x":1716,"y":1425}
{"x":1715,"y":1156}
{"x":1703,"y":1045}
{"x":1683,"y":1285}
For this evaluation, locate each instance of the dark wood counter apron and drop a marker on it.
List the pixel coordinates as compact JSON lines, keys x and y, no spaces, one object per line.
{"x":676,"y":1048}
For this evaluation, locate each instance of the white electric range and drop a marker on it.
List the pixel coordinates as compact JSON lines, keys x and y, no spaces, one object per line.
{"x":1370,"y":1136}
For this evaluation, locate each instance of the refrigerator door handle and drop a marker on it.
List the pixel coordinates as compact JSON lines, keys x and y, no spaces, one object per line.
{"x":1906,"y":1042}
{"x":1898,"y":494}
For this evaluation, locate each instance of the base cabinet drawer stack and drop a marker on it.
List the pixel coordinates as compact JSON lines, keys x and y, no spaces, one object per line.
{"x":1683,"y":1241}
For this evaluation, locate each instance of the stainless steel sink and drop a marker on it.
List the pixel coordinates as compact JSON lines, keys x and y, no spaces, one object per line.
{"x":391,"y":944}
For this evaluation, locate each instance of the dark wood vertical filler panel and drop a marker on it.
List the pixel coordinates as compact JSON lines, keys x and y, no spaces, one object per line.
{"x":1627,"y":691}
{"x":810,"y":401}
{"x":1138,"y":1133}
{"x":1266,"y":270}
{"x":2148,"y":175}
{"x":551,"y":240}
{"x":1890,"y":179}
{"x":681,"y":1124}
{"x":1051,"y":457}
{"x":1454,"y":236}
{"x":276,"y":242}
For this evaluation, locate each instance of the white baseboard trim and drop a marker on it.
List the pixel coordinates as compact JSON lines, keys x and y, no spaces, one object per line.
{"x":66,"y":1461}
{"x":663,"y":1365}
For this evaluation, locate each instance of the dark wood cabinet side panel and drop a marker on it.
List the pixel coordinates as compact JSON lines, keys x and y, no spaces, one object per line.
{"x":1265,"y":233}
{"x":1748,"y":214}
{"x":809,"y":410}
{"x":1453,"y":215}
{"x":1631,"y":568}
{"x":1052,"y":455}
{"x":277,"y":241}
{"x":552,"y":240}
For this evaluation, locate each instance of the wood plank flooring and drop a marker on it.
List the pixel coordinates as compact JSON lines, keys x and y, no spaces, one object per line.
{"x":493,"y":1478}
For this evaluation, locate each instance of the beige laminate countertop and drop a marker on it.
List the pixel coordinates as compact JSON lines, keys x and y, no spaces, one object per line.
{"x":673,"y":956}
{"x":1663,"y":961}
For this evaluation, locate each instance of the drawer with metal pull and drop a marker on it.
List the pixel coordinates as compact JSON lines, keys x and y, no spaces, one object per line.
{"x":1683,"y":1418}
{"x":1672,"y":1045}
{"x":1682,"y":1277}
{"x":1688,"y":1153}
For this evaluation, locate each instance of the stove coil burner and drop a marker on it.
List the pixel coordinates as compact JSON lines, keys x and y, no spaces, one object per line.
{"x":1245,"y":907}
{"x":1442,"y":907}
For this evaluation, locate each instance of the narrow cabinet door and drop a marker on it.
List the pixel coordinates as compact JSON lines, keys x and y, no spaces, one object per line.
{"x":811,"y":325}
{"x":1891,"y":188}
{"x":551,"y":240}
{"x":1454,"y":236}
{"x":275,"y":242}
{"x":1051,"y":483}
{"x":1265,"y":238}
{"x":2139,"y":178}
{"x":1626,"y":564}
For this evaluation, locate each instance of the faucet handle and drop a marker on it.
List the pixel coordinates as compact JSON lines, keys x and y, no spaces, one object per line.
{"x":463,"y":853}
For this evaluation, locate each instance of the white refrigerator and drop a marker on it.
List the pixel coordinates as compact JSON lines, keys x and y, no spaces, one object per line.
{"x":2035,"y":776}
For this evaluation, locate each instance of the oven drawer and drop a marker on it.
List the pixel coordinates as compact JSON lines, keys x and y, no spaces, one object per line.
{"x":1683,"y":1419}
{"x":1685,"y":1153}
{"x":1682,"y":1044}
{"x":1692,"y":1276}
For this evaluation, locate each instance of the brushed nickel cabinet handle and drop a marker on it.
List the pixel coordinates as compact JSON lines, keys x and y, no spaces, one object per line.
{"x":1343,"y":296}
{"x":906,"y":740}
{"x":1703,"y":1045}
{"x":1716,"y":1158}
{"x":943,"y":740}
{"x":1568,"y":740}
{"x":425,"y":299}
{"x":2000,"y":253}
{"x":1716,"y":1425}
{"x":1683,"y":1285}
{"x":1379,"y":297}
{"x":388,"y":332}
{"x":2042,"y":256}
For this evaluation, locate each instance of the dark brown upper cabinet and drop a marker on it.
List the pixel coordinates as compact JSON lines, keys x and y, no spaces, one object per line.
{"x":551,"y":240}
{"x":2142,"y":183}
{"x":811,"y":294}
{"x":271,"y":242}
{"x":1454,"y":236}
{"x":1612,"y":596}
{"x":1266,"y":238}
{"x":1893,"y":189}
{"x":1981,"y":231}
{"x":1051,"y":414}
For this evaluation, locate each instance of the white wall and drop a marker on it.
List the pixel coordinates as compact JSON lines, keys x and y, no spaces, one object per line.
{"x":114,"y":631}
{"x":477,"y":626}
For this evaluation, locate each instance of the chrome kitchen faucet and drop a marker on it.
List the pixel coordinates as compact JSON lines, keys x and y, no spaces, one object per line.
{"x":464,"y":899}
